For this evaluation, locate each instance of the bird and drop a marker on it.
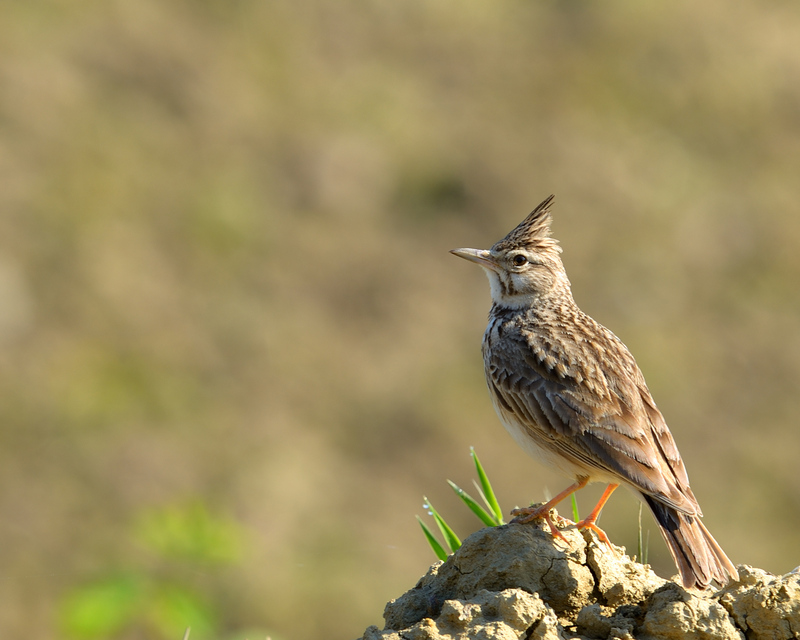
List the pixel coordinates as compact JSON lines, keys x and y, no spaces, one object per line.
{"x":571,"y":395}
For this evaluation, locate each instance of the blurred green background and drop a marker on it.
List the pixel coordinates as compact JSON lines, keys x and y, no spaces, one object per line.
{"x":234,"y":351}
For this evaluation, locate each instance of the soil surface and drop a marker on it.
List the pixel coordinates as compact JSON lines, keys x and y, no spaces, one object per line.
{"x":517,"y":581}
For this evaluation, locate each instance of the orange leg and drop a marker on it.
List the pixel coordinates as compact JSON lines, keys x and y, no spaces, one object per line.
{"x":527,"y":514}
{"x":589,"y":523}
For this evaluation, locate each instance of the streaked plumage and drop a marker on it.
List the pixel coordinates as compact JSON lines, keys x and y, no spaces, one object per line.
{"x":571,"y":394}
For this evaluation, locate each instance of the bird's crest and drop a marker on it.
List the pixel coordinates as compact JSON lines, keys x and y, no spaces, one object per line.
{"x":533,"y":232}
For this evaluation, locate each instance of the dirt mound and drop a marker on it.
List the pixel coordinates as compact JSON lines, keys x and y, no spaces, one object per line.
{"x":517,"y":581}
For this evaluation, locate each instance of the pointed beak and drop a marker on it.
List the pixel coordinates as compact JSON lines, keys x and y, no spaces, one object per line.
{"x":479,"y":256}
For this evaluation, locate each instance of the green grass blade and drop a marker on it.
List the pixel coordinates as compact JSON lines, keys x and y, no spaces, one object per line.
{"x":438,"y":549}
{"x":475,"y":484}
{"x":575,"y":515}
{"x":639,"y":546}
{"x":450,"y":537}
{"x":477,"y":509}
{"x":643,"y":549}
{"x":488,"y":494}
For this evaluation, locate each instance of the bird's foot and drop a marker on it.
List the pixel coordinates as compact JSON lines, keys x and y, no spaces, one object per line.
{"x":589,"y":523}
{"x":540,"y":512}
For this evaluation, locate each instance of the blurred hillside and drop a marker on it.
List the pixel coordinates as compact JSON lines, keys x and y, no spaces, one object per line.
{"x":234,"y":351}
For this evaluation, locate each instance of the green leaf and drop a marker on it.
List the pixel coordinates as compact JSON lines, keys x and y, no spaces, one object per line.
{"x":102,"y":609}
{"x":438,"y":549}
{"x":191,"y":532}
{"x":575,"y":515}
{"x":486,"y":502}
{"x":488,"y":494}
{"x":173,"y":609}
{"x":477,"y":509}
{"x":450,"y":536}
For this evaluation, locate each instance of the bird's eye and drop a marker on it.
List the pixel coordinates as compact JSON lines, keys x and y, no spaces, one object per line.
{"x":519,"y":260}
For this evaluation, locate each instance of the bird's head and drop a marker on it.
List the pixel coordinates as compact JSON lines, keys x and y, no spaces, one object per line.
{"x":525,"y":265}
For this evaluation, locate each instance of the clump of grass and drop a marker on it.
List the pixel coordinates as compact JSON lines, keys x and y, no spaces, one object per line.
{"x":491,"y":516}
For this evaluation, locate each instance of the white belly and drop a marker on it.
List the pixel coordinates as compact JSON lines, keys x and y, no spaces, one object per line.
{"x":540,"y":451}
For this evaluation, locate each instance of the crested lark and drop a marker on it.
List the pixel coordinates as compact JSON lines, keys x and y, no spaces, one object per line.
{"x":571,"y":394}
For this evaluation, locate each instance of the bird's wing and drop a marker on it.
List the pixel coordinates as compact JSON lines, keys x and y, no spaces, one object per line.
{"x":599,"y":423}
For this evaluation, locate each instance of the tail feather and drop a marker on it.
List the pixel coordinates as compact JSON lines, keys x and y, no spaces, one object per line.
{"x":699,"y":558}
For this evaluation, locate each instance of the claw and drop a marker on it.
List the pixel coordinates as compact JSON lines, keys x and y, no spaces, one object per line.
{"x":529,"y":514}
{"x":601,"y":535}
{"x":589,"y":523}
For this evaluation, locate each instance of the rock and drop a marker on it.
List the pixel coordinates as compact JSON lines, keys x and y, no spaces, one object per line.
{"x":764,"y":606}
{"x":673,"y":613}
{"x":498,"y":558}
{"x":619,"y":579}
{"x":506,"y":615}
{"x":518,"y":581}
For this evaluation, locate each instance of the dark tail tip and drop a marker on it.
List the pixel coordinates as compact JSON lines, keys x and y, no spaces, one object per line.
{"x":699,"y":558}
